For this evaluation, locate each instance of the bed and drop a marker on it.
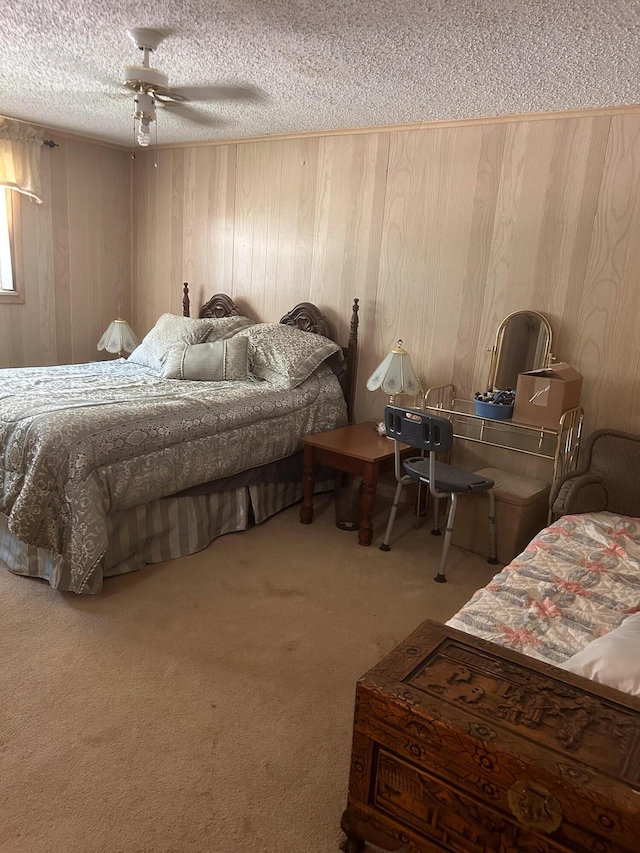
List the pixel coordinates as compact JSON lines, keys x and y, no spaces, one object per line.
{"x":579,"y":578}
{"x":576,"y":581}
{"x":515,"y":726}
{"x":108,"y":466}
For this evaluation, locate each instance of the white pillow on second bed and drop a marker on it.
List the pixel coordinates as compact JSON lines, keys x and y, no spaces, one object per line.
{"x":613,"y":659}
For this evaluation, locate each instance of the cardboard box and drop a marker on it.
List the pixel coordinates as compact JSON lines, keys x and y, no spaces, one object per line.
{"x":543,"y":395}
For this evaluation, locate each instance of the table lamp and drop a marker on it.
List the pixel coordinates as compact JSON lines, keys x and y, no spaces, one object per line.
{"x":118,"y":337}
{"x":395,"y":375}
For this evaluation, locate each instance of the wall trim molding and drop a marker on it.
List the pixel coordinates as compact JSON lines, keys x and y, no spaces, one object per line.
{"x":632,"y":109}
{"x":67,"y":134}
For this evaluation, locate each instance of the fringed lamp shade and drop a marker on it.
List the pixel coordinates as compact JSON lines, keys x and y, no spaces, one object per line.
{"x":395,"y":375}
{"x":118,"y":338}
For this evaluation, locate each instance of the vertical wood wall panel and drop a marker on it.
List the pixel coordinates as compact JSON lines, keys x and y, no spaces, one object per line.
{"x":98,"y":205}
{"x":275,"y":223}
{"x":173,"y":261}
{"x":346,"y":249}
{"x":62,"y":271}
{"x":585,"y":174}
{"x":45,"y":342}
{"x":208,"y":220}
{"x":469,"y":363}
{"x":147,"y":303}
{"x":609,"y":311}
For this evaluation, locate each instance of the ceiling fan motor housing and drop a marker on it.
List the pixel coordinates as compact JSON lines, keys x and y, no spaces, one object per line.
{"x":142,"y":78}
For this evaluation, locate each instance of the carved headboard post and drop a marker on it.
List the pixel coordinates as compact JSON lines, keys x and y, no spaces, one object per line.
{"x":351,"y":353}
{"x":186,"y":304}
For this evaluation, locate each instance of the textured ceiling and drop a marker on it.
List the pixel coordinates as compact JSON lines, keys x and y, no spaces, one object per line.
{"x":309,"y":66}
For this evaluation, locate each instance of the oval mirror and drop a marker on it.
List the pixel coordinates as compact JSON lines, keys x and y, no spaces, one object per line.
{"x":523,"y":342}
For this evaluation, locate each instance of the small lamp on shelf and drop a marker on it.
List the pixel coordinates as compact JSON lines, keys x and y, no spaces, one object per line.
{"x":118,"y":337}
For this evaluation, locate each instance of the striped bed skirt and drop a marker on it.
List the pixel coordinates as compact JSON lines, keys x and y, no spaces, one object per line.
{"x":164,"y":529}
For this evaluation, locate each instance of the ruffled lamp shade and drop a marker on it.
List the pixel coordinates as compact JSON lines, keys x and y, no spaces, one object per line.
{"x":118,"y":338}
{"x":395,"y":375}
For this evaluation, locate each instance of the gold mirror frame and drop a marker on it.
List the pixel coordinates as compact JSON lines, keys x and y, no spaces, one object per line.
{"x":542,"y":357}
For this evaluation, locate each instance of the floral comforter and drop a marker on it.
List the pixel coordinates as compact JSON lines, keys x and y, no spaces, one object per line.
{"x":577,"y":580}
{"x":81,"y":441}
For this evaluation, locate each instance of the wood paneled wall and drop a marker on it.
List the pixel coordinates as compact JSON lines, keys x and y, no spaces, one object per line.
{"x":440,"y":232}
{"x":75,"y":257}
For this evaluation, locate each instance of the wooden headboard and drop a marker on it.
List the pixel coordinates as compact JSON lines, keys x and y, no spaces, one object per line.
{"x":308,"y":318}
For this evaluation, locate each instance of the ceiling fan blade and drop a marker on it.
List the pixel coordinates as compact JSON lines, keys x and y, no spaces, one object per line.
{"x":170,"y":97}
{"x":191,"y":114}
{"x":221,"y":92}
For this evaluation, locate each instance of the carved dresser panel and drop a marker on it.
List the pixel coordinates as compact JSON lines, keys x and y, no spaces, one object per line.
{"x":461,"y":745}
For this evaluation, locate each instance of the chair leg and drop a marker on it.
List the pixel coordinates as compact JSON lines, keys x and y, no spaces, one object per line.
{"x":392,"y":517}
{"x":436,"y":517}
{"x":441,"y":577}
{"x":493,"y":559}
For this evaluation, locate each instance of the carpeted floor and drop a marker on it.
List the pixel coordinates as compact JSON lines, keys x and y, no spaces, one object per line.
{"x":205,"y":705}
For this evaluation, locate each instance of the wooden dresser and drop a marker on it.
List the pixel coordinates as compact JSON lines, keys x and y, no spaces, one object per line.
{"x":461,"y":745}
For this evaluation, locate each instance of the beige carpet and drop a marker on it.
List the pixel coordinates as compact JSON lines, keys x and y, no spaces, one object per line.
{"x":206,"y":704}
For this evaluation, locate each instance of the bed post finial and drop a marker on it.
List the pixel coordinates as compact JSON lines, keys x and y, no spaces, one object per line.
{"x":353,"y":334}
{"x":352,"y":350}
{"x":186,"y":306}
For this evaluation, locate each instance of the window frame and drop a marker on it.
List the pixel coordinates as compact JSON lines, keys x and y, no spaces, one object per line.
{"x":15,"y":296}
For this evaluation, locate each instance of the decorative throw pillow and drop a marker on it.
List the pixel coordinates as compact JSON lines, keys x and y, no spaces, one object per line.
{"x":285,"y":353}
{"x":211,"y":361}
{"x":613,"y":659}
{"x":169,"y":330}
{"x":226,"y":327}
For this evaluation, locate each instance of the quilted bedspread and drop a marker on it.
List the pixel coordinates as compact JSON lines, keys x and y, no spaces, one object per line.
{"x":82,"y":441}
{"x":577,"y":580}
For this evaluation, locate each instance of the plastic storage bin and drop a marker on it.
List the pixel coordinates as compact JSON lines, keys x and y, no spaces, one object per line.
{"x":522,"y":506}
{"x":496,"y":411}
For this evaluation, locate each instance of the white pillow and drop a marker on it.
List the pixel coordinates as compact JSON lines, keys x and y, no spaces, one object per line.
{"x":170,"y":329}
{"x":226,"y":327}
{"x":210,"y":361}
{"x":285,"y":353}
{"x":613,"y":659}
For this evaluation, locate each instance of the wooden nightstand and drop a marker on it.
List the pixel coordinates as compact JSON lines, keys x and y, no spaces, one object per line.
{"x":356,"y":449}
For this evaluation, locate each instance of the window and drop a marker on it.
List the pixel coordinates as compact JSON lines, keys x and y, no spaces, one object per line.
{"x":9,"y":291}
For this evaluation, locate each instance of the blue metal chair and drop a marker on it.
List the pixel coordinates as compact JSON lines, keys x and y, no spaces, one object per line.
{"x":434,"y":435}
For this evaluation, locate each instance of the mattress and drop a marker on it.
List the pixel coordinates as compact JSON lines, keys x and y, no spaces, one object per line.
{"x":577,"y":580}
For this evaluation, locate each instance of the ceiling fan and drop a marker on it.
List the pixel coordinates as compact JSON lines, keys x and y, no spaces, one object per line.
{"x":151,"y":89}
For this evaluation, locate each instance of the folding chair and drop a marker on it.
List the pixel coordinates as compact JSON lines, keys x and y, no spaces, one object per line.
{"x":434,"y":435}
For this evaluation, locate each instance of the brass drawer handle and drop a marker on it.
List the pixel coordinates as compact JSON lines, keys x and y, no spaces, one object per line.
{"x":534,"y":806}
